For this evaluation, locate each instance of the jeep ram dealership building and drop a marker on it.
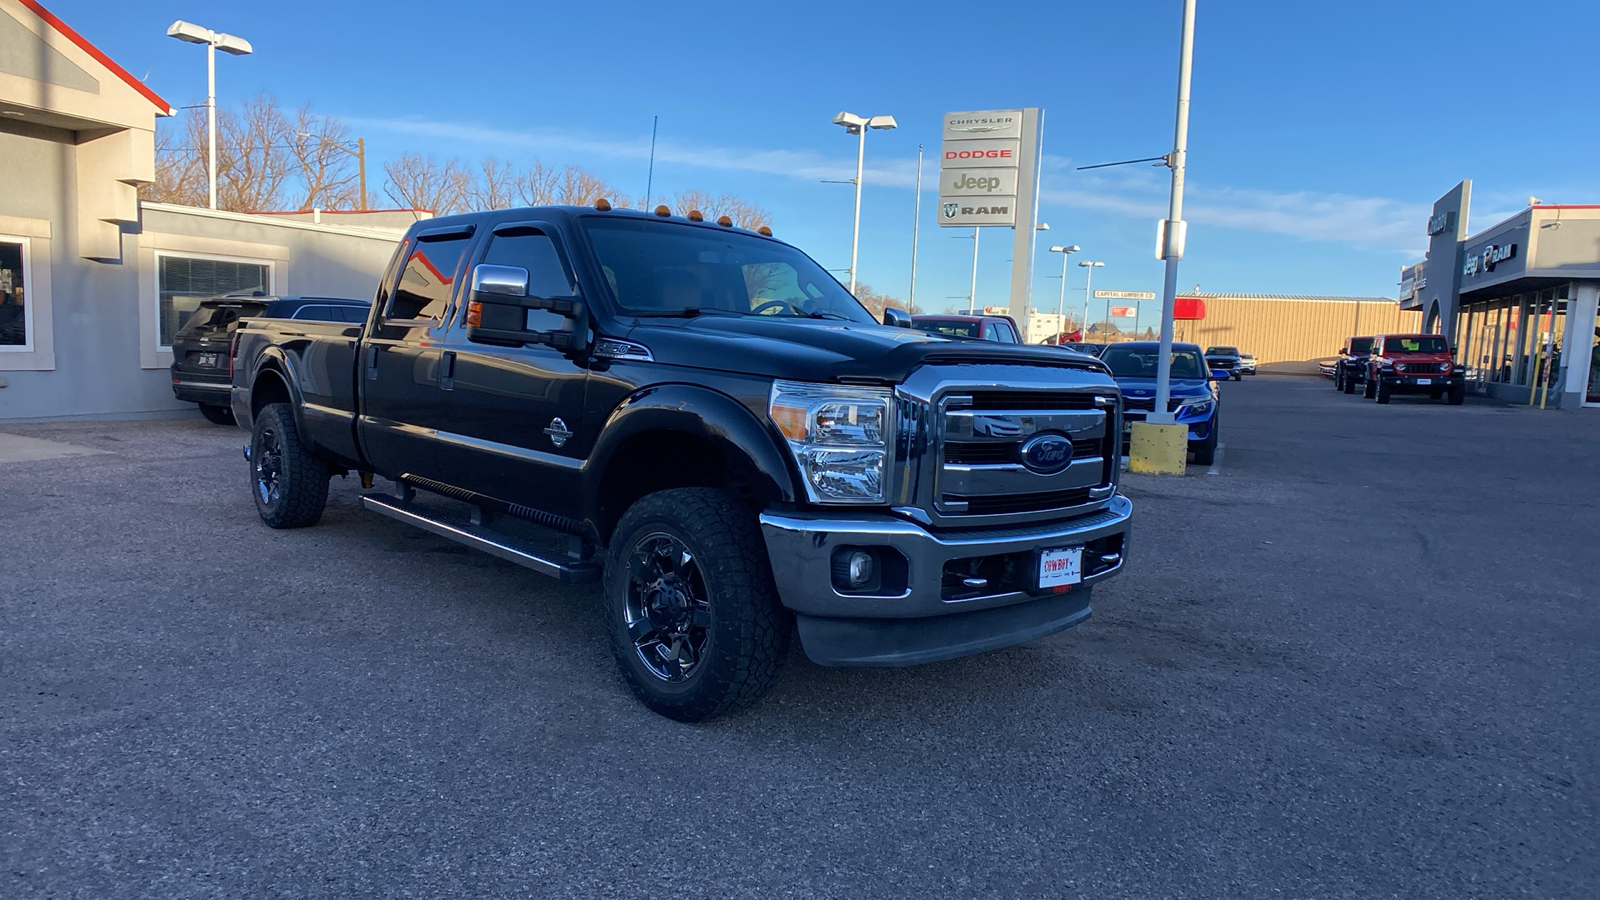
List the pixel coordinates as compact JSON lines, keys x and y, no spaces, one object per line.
{"x":94,"y":282}
{"x":1518,"y":300}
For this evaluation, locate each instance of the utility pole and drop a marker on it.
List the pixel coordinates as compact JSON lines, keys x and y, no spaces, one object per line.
{"x":1172,"y":229}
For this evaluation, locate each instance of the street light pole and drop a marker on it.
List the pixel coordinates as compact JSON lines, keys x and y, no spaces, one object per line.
{"x":1061,"y":304}
{"x":214,"y":41}
{"x":1172,"y":230}
{"x":858,"y":125}
{"x":916,"y":230}
{"x":972,"y":294}
{"x":1088,"y":278}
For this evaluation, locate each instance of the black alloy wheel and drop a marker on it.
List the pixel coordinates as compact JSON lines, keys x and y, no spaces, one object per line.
{"x":667,"y":613}
{"x":694,"y":616}
{"x":290,"y":486}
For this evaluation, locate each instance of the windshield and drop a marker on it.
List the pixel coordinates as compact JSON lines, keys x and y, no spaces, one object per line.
{"x":1222,"y":351}
{"x":1360,"y":345}
{"x":666,"y":269}
{"x":953,"y":329}
{"x":212,"y":318}
{"x":1415,"y":345}
{"x":1125,"y":362}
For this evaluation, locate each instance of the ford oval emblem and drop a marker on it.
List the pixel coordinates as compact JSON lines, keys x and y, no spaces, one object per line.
{"x":1047,"y":453}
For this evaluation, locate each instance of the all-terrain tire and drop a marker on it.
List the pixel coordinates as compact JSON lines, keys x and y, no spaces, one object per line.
{"x":747,"y":634}
{"x":290,"y":485}
{"x":1382,"y":392}
{"x":1369,"y":388}
{"x":1205,"y":452}
{"x":217,"y":415}
{"x":1457,"y":394}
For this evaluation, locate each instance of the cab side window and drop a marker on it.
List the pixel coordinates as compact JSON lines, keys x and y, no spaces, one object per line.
{"x":531,"y":249}
{"x":1003,"y":333}
{"x":427,"y":278}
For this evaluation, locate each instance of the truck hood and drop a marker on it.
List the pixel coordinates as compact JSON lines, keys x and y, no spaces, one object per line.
{"x":828,"y":350}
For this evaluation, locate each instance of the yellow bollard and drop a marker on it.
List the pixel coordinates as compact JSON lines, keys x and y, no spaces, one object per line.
{"x":1158,"y":449}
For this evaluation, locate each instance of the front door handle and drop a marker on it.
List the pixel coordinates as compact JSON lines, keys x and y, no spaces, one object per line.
{"x":372,"y":363}
{"x":447,"y":371}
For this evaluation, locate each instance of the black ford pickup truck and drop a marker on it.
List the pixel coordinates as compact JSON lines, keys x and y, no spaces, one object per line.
{"x":704,"y":420}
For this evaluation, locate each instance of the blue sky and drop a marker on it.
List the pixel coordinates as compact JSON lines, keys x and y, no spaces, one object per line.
{"x":1320,"y":133}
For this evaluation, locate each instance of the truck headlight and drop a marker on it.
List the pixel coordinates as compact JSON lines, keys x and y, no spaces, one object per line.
{"x":839,"y":437}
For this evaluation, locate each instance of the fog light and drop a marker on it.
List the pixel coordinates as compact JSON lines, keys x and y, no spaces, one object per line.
{"x":862,"y":568}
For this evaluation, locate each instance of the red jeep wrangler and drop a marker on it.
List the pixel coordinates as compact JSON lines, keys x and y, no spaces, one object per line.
{"x":1414,"y":364}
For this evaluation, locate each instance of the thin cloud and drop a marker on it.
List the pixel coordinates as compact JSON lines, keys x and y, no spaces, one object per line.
{"x":1137,"y":191}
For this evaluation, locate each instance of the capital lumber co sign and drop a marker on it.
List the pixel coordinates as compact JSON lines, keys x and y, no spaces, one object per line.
{"x":979,"y":167}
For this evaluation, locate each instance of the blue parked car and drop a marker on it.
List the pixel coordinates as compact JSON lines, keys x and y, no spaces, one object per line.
{"x":1194,"y":392}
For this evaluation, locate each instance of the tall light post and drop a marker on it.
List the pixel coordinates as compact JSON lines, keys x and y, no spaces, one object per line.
{"x":972,"y":295}
{"x":916,"y":232}
{"x":360,"y":153}
{"x":1172,"y":229}
{"x":214,"y":41}
{"x":1088,"y":277}
{"x":858,"y":125}
{"x":1061,"y":305}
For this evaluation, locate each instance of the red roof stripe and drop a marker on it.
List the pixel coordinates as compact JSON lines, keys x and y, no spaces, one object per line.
{"x":104,"y":60}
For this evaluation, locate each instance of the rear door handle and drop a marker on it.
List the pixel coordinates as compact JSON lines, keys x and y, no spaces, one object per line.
{"x":447,"y":371}
{"x":372,"y":362}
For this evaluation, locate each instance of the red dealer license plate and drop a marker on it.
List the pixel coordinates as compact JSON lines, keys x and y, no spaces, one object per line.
{"x":1060,"y":568}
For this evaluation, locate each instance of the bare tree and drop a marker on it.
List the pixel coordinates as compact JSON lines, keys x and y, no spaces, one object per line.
{"x":536,"y":186}
{"x":743,"y":213}
{"x":685,"y":202}
{"x":577,"y":186}
{"x":876,"y":303}
{"x":422,"y":182}
{"x":323,"y":164}
{"x":180,"y":169}
{"x":252,"y":160}
{"x":495,"y":187}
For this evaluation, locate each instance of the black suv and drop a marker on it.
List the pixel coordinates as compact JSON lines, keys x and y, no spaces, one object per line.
{"x":1351,"y":369}
{"x":202,"y":367}
{"x":1226,"y":359}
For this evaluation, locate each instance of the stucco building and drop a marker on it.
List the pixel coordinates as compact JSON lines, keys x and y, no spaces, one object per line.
{"x":93,"y":283}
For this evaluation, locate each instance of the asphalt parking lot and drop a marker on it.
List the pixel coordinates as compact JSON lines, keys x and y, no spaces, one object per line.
{"x":1362,"y":660}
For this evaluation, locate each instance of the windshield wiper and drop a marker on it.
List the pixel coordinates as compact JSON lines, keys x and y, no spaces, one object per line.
{"x":690,"y":313}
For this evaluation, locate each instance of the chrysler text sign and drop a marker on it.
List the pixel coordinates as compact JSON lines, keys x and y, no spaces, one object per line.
{"x":979,"y":167}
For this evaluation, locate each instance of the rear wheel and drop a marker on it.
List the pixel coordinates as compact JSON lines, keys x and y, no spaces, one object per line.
{"x":289,"y":484}
{"x":217,"y":415}
{"x":1338,"y":379}
{"x":693,"y":612}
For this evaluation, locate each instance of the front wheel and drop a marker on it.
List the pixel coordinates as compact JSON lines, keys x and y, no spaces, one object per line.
{"x":693,"y":613}
{"x":1338,"y":380}
{"x":1383,"y":392}
{"x":1369,"y":388}
{"x":289,"y":484}
{"x":1457,"y":394}
{"x":1205,"y":452}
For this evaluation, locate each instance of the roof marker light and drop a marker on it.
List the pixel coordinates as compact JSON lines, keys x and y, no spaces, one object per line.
{"x":696,"y":215}
{"x":725,"y":222}
{"x":603,"y":205}
{"x":663,"y":211}
{"x":764,"y":231}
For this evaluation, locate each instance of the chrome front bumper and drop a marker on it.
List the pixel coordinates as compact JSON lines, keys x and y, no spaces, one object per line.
{"x":917,"y":624}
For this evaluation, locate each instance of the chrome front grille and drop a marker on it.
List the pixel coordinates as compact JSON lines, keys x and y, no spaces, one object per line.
{"x":960,"y":448}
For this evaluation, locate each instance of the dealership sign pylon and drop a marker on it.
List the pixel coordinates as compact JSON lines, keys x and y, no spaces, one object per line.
{"x":989,"y":176}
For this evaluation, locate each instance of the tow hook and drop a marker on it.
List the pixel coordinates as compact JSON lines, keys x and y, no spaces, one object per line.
{"x":246,"y":452}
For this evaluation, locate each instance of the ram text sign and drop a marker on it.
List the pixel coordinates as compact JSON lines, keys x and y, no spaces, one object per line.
{"x":979,"y":168}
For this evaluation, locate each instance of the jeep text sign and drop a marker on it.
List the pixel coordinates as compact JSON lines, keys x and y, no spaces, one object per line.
{"x":979,"y":183}
{"x":979,"y":168}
